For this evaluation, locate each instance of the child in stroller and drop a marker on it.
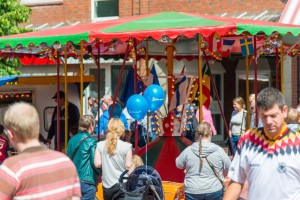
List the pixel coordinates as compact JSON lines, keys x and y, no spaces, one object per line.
{"x":144,"y":183}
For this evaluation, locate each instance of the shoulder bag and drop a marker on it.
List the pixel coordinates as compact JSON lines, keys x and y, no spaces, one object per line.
{"x":216,"y":173}
{"x":80,"y":143}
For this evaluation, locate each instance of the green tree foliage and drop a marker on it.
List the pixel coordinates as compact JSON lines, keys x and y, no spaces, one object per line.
{"x":11,"y":14}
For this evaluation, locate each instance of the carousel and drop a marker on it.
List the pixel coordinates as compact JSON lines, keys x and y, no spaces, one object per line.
{"x":171,"y":36}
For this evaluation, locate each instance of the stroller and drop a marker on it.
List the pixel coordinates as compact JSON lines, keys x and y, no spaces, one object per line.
{"x":144,"y":183}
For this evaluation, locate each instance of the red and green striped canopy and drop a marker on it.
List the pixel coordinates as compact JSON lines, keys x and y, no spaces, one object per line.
{"x":155,"y":26}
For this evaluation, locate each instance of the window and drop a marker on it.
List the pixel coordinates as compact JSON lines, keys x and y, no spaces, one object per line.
{"x":39,"y":2}
{"x":105,"y":8}
{"x":263,"y":81}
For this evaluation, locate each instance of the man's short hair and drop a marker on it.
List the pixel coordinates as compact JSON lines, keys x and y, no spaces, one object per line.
{"x":23,"y":120}
{"x":268,"y":97}
{"x":85,"y":122}
{"x":107,"y":98}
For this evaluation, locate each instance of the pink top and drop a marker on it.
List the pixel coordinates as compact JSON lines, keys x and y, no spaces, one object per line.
{"x":206,"y":117}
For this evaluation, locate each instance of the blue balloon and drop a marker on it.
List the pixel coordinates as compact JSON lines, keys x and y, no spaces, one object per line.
{"x":155,"y":96}
{"x":137,"y":106}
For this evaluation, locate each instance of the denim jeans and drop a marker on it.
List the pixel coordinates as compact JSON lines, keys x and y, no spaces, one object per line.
{"x":234,"y":141}
{"x":218,"y":195}
{"x":88,"y":191}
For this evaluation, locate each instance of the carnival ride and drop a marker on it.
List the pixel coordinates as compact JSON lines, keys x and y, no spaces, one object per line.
{"x":169,"y":35}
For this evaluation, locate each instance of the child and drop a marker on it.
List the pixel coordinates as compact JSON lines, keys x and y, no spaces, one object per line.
{"x":292,"y":119}
{"x":136,"y":162}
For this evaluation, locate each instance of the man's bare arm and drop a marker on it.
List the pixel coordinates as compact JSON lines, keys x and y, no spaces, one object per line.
{"x":233,"y":191}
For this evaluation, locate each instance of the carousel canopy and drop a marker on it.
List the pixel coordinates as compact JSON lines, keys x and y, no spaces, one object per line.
{"x":111,"y":36}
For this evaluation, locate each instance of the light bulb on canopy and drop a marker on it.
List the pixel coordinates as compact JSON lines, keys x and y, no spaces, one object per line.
{"x":164,"y":39}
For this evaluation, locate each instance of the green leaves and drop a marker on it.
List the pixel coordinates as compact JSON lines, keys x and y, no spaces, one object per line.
{"x":12,"y":13}
{"x":9,"y":66}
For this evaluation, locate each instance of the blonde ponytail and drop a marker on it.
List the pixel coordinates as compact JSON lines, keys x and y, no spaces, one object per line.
{"x":115,"y":129}
{"x":203,"y":131}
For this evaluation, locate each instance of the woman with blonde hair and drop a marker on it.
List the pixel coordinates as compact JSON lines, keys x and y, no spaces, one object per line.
{"x":114,"y":156}
{"x":238,"y":121}
{"x":204,"y":163}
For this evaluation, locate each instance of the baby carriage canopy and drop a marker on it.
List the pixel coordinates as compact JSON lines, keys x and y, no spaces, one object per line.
{"x":144,"y":183}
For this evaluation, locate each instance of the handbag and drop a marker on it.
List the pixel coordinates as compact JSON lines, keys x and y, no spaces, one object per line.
{"x":216,"y":173}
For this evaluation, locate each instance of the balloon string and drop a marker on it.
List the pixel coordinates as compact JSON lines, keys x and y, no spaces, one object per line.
{"x":147,"y":135}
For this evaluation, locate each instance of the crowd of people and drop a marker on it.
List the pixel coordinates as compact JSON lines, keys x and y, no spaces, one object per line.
{"x":269,"y":149}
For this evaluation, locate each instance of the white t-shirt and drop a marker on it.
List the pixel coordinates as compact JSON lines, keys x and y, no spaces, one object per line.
{"x":271,"y":166}
{"x":113,"y":166}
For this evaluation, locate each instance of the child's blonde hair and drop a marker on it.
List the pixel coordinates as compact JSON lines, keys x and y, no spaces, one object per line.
{"x":137,"y":161}
{"x":292,"y":116}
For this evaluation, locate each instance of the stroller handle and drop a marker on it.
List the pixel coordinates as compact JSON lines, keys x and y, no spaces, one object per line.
{"x":122,"y":176}
{"x":146,"y":179}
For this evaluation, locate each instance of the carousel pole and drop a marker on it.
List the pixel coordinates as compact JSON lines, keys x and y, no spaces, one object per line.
{"x":147,"y":56}
{"x":136,"y":129}
{"x":219,"y":103}
{"x":147,"y":74}
{"x":200,"y":63}
{"x":255,"y":80}
{"x":170,"y":52}
{"x":97,"y":62}
{"x":98,"y":89}
{"x":247,"y":87}
{"x":281,"y":69}
{"x":66,"y":95}
{"x":119,"y":81}
{"x":81,"y":77}
{"x":58,"y":101}
{"x":277,"y":68}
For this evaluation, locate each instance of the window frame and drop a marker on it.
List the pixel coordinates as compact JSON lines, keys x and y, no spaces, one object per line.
{"x":39,"y":2}
{"x":95,"y":19}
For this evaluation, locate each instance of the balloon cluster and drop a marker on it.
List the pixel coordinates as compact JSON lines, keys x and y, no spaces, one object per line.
{"x":138,"y":105}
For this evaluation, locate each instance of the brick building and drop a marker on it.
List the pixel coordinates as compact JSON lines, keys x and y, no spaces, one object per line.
{"x":54,"y":12}
{"x":229,"y":72}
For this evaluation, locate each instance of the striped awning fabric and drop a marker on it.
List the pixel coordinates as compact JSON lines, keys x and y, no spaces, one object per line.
{"x":291,"y":14}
